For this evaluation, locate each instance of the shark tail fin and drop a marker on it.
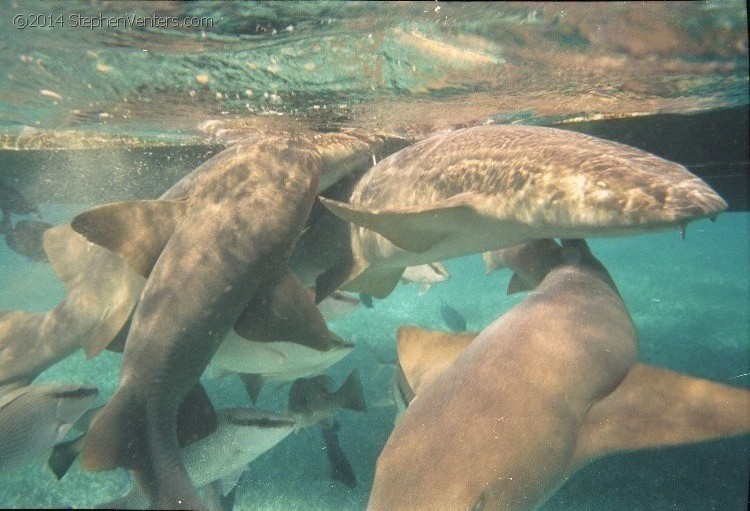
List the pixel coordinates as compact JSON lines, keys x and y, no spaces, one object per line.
{"x":350,"y":395}
{"x":117,"y":435}
{"x":253,"y":385}
{"x":63,"y":455}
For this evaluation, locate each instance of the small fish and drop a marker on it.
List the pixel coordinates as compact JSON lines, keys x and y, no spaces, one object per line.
{"x":36,"y":417}
{"x":11,"y":201}
{"x":426,"y":275}
{"x":26,"y":238}
{"x":311,"y":400}
{"x":211,"y":462}
{"x":453,"y":319}
{"x":338,"y":305}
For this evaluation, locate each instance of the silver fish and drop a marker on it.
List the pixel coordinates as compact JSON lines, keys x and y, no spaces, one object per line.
{"x":34,"y":418}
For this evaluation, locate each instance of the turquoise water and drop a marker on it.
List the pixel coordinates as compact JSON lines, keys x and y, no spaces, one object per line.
{"x":688,"y":299}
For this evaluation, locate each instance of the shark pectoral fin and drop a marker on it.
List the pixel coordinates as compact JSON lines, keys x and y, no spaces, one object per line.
{"x":415,"y":228}
{"x":196,"y":417}
{"x":653,"y":407}
{"x":517,"y":284}
{"x":285,"y":312}
{"x":135,"y":230}
{"x":112,"y":331}
{"x":424,"y":354}
{"x":117,"y":436}
{"x":253,"y":385}
{"x":117,"y":343}
{"x":374,"y":282}
{"x":67,"y":251}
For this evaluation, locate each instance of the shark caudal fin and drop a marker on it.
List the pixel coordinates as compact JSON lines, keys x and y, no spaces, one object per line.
{"x":64,"y":454}
{"x":654,"y":407}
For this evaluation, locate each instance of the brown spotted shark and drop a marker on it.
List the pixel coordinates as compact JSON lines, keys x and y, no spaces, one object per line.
{"x":488,"y":187}
{"x":501,"y":421}
{"x":215,"y":243}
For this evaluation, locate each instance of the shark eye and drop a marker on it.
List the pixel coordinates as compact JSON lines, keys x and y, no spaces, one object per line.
{"x":479,"y":505}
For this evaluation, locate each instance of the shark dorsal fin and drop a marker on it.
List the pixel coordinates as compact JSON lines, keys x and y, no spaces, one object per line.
{"x":425,"y":354}
{"x":137,"y":231}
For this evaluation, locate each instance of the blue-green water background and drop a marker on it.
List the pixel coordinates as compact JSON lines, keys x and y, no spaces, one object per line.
{"x":90,"y":116}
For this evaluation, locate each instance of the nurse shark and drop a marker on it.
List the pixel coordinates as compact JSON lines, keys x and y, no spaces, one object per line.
{"x":489,"y":187}
{"x":501,"y":421}
{"x":214,"y":243}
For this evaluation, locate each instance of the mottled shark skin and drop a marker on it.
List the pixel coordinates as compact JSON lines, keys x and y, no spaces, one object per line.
{"x":214,"y":239}
{"x":102,"y":290}
{"x":488,"y":187}
{"x":548,"y":387}
{"x":211,"y":245}
{"x":34,"y":418}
